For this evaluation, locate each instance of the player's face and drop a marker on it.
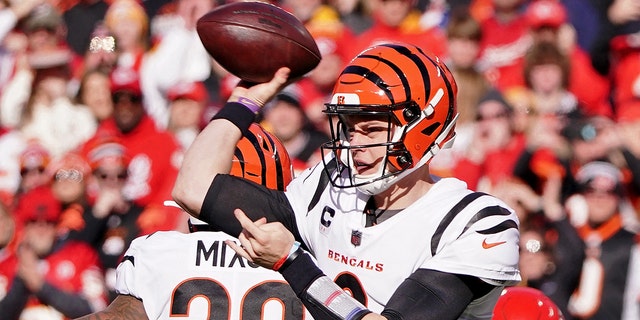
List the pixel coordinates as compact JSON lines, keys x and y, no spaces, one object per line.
{"x":365,"y":131}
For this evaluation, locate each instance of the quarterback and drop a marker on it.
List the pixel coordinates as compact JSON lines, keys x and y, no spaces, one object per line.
{"x":391,"y":240}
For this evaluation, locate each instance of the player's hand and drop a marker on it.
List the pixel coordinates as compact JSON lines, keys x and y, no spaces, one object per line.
{"x":263,"y":92}
{"x":262,"y":243}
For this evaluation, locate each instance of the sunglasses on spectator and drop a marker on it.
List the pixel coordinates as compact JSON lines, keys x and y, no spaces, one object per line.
{"x":26,"y":171}
{"x":42,"y":220}
{"x":72,"y":174}
{"x":594,"y":191}
{"x":499,"y":115}
{"x":120,"y":176}
{"x":125,"y":96}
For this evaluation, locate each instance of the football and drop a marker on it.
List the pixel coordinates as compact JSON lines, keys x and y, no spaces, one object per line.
{"x":252,"y":40}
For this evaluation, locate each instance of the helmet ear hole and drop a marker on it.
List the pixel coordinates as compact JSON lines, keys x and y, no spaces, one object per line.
{"x":402,"y":159}
{"x":411,"y":113}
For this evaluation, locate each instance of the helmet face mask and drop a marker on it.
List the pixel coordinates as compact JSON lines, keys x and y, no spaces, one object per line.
{"x":412,"y":91}
{"x":394,"y":157}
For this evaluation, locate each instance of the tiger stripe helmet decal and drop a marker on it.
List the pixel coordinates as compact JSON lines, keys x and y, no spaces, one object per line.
{"x":262,"y":158}
{"x":413,"y":87}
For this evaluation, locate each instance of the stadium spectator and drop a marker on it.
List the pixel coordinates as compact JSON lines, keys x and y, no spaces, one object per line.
{"x":355,"y":14}
{"x":155,"y":153}
{"x":187,"y":102}
{"x":286,"y":119}
{"x":524,"y":110}
{"x":12,"y":41}
{"x":551,"y":251}
{"x":94,"y":92}
{"x":615,"y":53}
{"x":101,"y":53}
{"x":349,"y":205}
{"x":50,"y":115}
{"x":399,"y":21}
{"x":69,"y":175}
{"x":546,"y":71}
{"x":48,"y":277}
{"x":45,"y":49}
{"x":610,"y":284}
{"x":463,"y":46}
{"x":505,"y":39}
{"x":177,"y":55}
{"x":12,"y":12}
{"x":494,"y":147}
{"x":34,"y":160}
{"x":315,"y":88}
{"x":547,"y":23}
{"x":109,"y":221}
{"x":334,"y":38}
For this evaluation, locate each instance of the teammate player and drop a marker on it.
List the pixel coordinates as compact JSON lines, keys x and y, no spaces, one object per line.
{"x":403,"y":243}
{"x":172,"y":274}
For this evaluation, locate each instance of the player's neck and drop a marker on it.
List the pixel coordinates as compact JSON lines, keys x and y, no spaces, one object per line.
{"x":406,"y":191}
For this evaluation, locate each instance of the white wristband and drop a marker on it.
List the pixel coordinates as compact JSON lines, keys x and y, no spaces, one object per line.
{"x":336,"y":300}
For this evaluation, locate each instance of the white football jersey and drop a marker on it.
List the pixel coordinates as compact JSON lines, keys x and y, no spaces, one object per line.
{"x":197,"y":276}
{"x":480,"y":240}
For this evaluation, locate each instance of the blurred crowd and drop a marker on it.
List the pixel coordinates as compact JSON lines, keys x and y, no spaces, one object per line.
{"x":100,"y":98}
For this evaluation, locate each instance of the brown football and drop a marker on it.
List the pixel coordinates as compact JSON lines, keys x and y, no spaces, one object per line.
{"x":252,"y":40}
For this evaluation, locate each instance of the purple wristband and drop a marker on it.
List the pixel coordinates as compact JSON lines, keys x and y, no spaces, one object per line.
{"x":250,"y":104}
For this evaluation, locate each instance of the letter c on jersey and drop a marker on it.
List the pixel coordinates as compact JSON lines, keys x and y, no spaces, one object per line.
{"x":327,"y":215}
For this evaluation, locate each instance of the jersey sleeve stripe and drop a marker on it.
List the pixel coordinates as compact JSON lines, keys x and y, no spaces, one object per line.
{"x":435,"y":240}
{"x":130,"y":259}
{"x":484,"y":213}
{"x":505,"y":225}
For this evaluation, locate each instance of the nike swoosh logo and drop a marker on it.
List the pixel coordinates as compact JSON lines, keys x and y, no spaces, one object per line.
{"x":487,"y":245}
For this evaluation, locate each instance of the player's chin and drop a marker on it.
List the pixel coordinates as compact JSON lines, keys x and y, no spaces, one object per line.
{"x":365,"y":170}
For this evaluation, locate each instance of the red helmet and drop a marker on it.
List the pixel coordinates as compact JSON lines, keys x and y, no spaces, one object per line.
{"x":524,"y":303}
{"x":417,"y":94}
{"x":262,"y":158}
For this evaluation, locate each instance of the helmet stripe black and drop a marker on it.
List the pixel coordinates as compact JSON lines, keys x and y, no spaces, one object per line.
{"x":419,"y":63}
{"x":256,"y":145}
{"x":278,"y":161}
{"x":399,"y":72}
{"x":452,"y":98}
{"x":238,"y":154}
{"x":371,"y":76}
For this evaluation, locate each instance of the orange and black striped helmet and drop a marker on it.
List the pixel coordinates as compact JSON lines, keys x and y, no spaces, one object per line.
{"x":262,"y":158}
{"x":413,"y":89}
{"x":259,"y":157}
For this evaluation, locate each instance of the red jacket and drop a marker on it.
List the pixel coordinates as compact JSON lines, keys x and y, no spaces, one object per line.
{"x":155,"y":161}
{"x":74,"y":268}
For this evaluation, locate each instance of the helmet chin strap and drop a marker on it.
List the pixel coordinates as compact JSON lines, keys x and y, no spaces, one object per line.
{"x":377,"y":186}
